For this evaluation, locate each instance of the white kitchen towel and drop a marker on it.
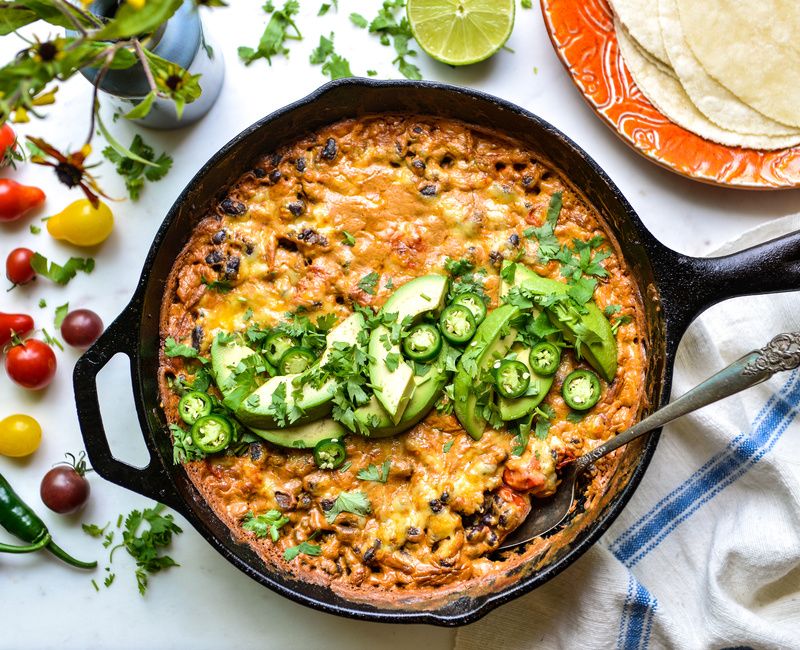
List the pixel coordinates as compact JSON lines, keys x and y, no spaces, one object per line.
{"x":707,"y":552}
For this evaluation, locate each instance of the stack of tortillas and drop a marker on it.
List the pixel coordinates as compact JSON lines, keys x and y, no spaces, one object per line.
{"x":727,"y":70}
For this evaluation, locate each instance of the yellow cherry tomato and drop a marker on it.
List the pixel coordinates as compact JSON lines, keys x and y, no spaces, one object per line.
{"x":82,"y":224}
{"x":20,"y":435}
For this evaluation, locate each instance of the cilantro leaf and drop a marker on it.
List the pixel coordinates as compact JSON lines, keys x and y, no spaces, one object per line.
{"x":545,"y":234}
{"x":368,"y":283}
{"x":333,"y":65}
{"x":582,"y":290}
{"x":397,"y":33}
{"x":61,"y":274}
{"x":358,"y":20}
{"x":354,"y":502}
{"x":136,"y":172}
{"x":373,"y":473}
{"x":174,"y":349}
{"x":348,"y":239}
{"x":268,"y":523}
{"x":61,"y":313}
{"x":392,"y":361}
{"x":280,"y":28}
{"x":220,"y":286}
{"x":448,"y":445}
{"x":93,"y":530}
{"x":306,"y":548}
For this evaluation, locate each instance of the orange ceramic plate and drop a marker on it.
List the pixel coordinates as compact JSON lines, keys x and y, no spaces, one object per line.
{"x":583,"y":34}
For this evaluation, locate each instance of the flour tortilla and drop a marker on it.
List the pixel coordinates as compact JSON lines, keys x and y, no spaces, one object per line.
{"x":751,"y":48}
{"x":640,"y":18}
{"x":715,"y":101}
{"x":668,"y":96}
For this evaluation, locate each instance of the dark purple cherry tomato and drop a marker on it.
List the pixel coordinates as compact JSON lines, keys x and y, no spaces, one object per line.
{"x":64,"y":488}
{"x":81,"y":328}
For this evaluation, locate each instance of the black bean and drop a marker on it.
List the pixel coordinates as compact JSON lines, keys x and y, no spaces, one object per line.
{"x":219,"y":237}
{"x":329,"y":150}
{"x":197,"y":337}
{"x":527,"y":180}
{"x":502,"y":521}
{"x":276,"y":159}
{"x":284,"y":501}
{"x":304,"y":501}
{"x":417,"y":129}
{"x":214,"y":257}
{"x":514,"y":239}
{"x":447,"y":562}
{"x":326,"y":504}
{"x":249,"y":247}
{"x":300,"y":164}
{"x":413,"y":531}
{"x":259,"y":173}
{"x":232,"y":267}
{"x":275,"y":175}
{"x":428,"y":190}
{"x":234,"y":208}
{"x":473,"y":533}
{"x":296,"y":208}
{"x":445,"y":497}
{"x":311,"y":236}
{"x":370,"y":554}
{"x":436,"y":505}
{"x":256,"y":452}
{"x":496,"y":258}
{"x":339,"y":300}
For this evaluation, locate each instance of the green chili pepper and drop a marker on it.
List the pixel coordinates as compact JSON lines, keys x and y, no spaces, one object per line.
{"x":276,"y":346}
{"x":544,"y":359}
{"x":296,"y":360}
{"x":212,"y":433}
{"x":457,"y":324}
{"x":194,"y":406}
{"x":581,"y":389}
{"x":511,"y":378}
{"x":330,"y":453}
{"x":474,"y":303}
{"x":19,"y":520}
{"x":422,"y":343}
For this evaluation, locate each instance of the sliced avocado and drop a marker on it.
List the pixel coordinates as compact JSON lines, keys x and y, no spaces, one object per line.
{"x":305,"y":436}
{"x":416,"y":297}
{"x":513,"y":409}
{"x":492,"y":341}
{"x":602,"y":354}
{"x":427,"y":389}
{"x":313,"y":401}
{"x":224,"y":359}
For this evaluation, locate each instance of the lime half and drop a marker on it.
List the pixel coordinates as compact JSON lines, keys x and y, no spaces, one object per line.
{"x":460,"y":32}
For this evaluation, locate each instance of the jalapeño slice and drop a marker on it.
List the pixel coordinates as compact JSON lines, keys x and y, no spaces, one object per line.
{"x":330,"y":453}
{"x":296,"y":360}
{"x":212,"y":433}
{"x":422,"y":343}
{"x":511,"y":378}
{"x":276,"y":345}
{"x":194,"y":406}
{"x":581,"y":390}
{"x":457,"y":324}
{"x":544,"y":359}
{"x":474,"y":303}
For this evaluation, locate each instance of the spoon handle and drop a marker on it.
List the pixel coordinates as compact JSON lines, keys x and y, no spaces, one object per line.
{"x":782,"y":353}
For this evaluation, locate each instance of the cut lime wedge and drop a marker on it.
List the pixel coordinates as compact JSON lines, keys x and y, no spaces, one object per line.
{"x":460,"y":32}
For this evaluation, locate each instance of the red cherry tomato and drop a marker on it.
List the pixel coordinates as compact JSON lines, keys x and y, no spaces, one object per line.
{"x":81,"y":328}
{"x":8,"y":142}
{"x":17,"y":199}
{"x":19,"y":324}
{"x":31,"y":364}
{"x":64,"y":488}
{"x":18,"y":266}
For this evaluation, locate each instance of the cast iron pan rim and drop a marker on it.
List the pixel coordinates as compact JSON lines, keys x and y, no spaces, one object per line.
{"x":601,"y":524}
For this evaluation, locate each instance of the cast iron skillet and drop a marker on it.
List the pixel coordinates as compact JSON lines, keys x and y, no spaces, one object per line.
{"x":675,"y":288}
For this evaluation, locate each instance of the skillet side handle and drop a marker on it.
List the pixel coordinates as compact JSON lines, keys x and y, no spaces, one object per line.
{"x":151,"y":481}
{"x":694,"y":284}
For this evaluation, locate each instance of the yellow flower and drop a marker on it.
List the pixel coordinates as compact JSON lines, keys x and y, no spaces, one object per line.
{"x":137,"y":4}
{"x":20,"y":116}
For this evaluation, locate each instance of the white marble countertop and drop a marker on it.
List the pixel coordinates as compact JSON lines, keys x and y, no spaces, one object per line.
{"x":207,"y":603}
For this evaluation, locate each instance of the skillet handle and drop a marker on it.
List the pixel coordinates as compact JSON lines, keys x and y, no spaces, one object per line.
{"x":151,"y":481}
{"x":696,"y":283}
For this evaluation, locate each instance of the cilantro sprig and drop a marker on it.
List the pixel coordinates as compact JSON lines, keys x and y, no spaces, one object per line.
{"x":375,"y":473}
{"x":280,"y":28}
{"x":58,"y":273}
{"x":267,"y":524}
{"x":354,"y":502}
{"x":136,"y":172}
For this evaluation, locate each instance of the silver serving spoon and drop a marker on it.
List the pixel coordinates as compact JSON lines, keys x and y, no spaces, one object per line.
{"x":782,"y":353}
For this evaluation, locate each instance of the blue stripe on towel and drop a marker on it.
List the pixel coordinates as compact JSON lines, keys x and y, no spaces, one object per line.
{"x":724,"y":467}
{"x":637,"y":617}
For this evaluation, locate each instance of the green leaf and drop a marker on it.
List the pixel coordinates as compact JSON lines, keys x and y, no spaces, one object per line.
{"x":276,"y":33}
{"x":142,"y":109}
{"x":358,"y":20}
{"x":130,"y":21}
{"x":61,"y":313}
{"x":52,"y":12}
{"x":374,"y":473}
{"x":119,"y":147}
{"x":12,"y":18}
{"x":354,"y":502}
{"x":448,"y":445}
{"x":368,"y":283}
{"x":306,"y":548}
{"x":266,"y":524}
{"x":337,"y":67}
{"x":349,"y":240}
{"x":35,"y":230}
{"x":135,"y":172}
{"x":93,"y":530}
{"x":174,"y":349}
{"x":61,"y":274}
{"x":321,"y":52}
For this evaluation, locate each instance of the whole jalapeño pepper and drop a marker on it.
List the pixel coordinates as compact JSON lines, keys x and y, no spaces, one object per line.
{"x":19,"y":520}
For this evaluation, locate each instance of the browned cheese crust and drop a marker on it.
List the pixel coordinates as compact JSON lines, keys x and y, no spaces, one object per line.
{"x":413,"y":191}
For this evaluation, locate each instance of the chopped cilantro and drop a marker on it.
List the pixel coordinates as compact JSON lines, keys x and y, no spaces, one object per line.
{"x":545,"y":234}
{"x":268,"y":523}
{"x":358,"y":20}
{"x":448,"y":445}
{"x":135,"y":172}
{"x":389,"y":30}
{"x":306,"y":548}
{"x":333,"y":65}
{"x":368,"y":283}
{"x":35,"y":230}
{"x":61,"y":274}
{"x":354,"y":502}
{"x":61,"y":313}
{"x":220,"y":286}
{"x":42,"y":303}
{"x":392,"y":361}
{"x":373,"y":473}
{"x":280,"y":28}
{"x":93,"y":530}
{"x":174,"y":349}
{"x":348,"y":239}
